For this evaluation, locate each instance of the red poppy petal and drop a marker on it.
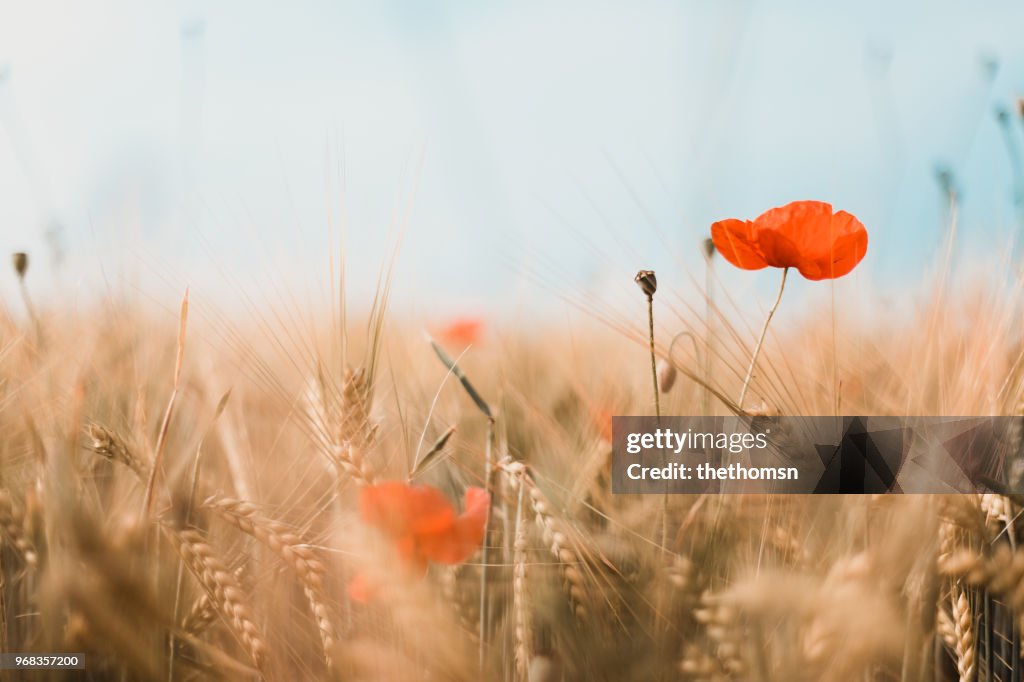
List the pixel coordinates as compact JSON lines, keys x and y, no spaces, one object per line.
{"x":462,"y":332}
{"x":779,"y":250}
{"x":474,"y":516}
{"x":360,"y":589}
{"x":399,"y":509}
{"x":804,"y":224}
{"x":794,"y":216}
{"x":735,"y":240}
{"x":466,"y":534}
{"x":385,"y":507}
{"x":843,"y":256}
{"x":431,"y":510}
{"x":603,"y":421}
{"x":808,"y":236}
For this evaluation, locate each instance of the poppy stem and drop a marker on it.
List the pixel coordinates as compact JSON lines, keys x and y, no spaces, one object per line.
{"x":760,"y":341}
{"x":654,"y":363}
{"x":657,"y":411}
{"x":709,"y":304}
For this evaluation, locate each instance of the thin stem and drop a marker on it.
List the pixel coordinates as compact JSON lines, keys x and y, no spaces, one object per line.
{"x":760,"y":340}
{"x":657,"y":412}
{"x":488,"y":476}
{"x":705,"y":396}
{"x":654,"y":364}
{"x":37,"y":327}
{"x":161,"y":441}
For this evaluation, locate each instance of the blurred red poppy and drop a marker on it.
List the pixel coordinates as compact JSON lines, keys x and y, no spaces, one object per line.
{"x":423,"y":526}
{"x":462,"y":332}
{"x":603,"y":421}
{"x":805,"y":235}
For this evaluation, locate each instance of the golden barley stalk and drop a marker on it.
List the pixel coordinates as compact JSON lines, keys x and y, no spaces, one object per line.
{"x":944,"y":627}
{"x":555,"y":536}
{"x":291,"y":548}
{"x":521,"y":608}
{"x":201,"y":614}
{"x":350,"y":464}
{"x":161,"y":441}
{"x":223,"y":588}
{"x":963,"y":634}
{"x":109,"y":445}
{"x":341,"y":426}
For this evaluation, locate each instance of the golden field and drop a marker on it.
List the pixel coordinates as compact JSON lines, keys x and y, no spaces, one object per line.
{"x":235,"y":558}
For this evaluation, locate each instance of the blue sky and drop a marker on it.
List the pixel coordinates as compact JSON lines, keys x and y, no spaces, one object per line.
{"x":179,"y":142}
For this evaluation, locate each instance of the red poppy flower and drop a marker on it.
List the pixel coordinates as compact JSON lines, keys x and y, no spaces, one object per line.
{"x":805,"y":235}
{"x":603,"y":421}
{"x":462,"y":332}
{"x":422,"y":525}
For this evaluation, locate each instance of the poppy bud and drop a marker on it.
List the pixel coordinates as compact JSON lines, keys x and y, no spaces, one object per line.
{"x":20,"y":261}
{"x":646,"y":280}
{"x":666,"y":376}
{"x":709,"y":247}
{"x":947,"y":182}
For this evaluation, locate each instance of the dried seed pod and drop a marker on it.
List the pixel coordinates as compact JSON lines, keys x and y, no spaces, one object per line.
{"x":20,"y":262}
{"x":647,"y":282}
{"x":709,"y":247}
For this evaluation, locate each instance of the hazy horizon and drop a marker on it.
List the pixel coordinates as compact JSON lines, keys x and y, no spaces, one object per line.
{"x":203,"y":145}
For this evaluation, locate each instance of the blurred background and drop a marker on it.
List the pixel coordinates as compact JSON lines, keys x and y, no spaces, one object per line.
{"x":226,"y":145}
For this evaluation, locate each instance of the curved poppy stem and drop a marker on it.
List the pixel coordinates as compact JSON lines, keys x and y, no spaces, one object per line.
{"x":760,"y":341}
